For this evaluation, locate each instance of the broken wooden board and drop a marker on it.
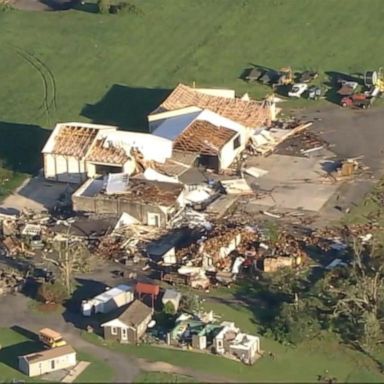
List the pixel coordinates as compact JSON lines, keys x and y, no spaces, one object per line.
{"x":221,"y":205}
{"x":236,"y":187}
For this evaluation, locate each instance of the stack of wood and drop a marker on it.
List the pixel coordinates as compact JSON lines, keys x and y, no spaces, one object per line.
{"x":11,"y":281}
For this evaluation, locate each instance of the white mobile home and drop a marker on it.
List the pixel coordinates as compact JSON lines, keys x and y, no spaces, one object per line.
{"x":54,"y":359}
{"x":108,"y":301}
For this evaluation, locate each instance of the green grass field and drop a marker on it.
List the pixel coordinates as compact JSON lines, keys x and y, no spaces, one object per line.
{"x":161,"y":377}
{"x":15,"y":343}
{"x":79,"y":65}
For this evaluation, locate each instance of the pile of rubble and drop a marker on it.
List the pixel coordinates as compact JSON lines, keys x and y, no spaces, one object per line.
{"x":302,"y":144}
{"x":226,"y":250}
{"x":343,"y":170}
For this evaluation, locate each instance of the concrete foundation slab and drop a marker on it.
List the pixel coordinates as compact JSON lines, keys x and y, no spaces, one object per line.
{"x":36,"y":193}
{"x":292,"y":182}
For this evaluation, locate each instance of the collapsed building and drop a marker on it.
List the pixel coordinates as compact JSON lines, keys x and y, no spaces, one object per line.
{"x":149,"y":202}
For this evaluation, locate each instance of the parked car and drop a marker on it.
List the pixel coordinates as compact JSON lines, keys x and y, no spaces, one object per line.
{"x":314,"y":92}
{"x":297,"y":90}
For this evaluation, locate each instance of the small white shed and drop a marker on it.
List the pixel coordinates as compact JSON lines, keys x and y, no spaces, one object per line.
{"x":172,"y":296}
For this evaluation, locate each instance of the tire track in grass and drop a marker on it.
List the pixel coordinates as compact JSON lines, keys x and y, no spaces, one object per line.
{"x":45,"y":103}
{"x":52,"y":79}
{"x":46,"y":76}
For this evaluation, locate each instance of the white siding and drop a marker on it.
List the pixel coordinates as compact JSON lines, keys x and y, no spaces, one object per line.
{"x":42,"y":367}
{"x":91,"y":169}
{"x":49,"y":166}
{"x":67,"y":169}
{"x":228,"y":153}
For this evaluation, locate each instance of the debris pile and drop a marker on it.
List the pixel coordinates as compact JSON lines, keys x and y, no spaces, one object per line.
{"x":225,"y":251}
{"x":337,"y":238}
{"x":266,"y":141}
{"x":302,"y":144}
{"x":344,"y":170}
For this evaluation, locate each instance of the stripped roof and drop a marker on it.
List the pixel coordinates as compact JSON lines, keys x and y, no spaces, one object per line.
{"x":135,"y":314}
{"x":108,"y":154}
{"x":204,"y":138}
{"x":74,"y":140}
{"x":249,"y":113}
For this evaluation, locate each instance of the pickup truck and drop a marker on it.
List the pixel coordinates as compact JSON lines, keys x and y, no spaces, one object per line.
{"x":358,"y":100}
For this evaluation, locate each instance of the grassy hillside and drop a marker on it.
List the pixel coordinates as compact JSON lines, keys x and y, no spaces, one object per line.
{"x":79,"y":65}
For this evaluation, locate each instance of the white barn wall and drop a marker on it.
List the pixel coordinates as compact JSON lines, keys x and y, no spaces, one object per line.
{"x":228,"y":154}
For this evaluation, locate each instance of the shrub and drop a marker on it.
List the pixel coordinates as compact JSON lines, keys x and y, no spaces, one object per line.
{"x":52,"y":293}
{"x":169,"y":308}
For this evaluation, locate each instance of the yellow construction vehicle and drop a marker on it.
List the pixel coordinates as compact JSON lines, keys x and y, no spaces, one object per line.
{"x":375,"y":81}
{"x":286,"y":76}
{"x":51,"y":338}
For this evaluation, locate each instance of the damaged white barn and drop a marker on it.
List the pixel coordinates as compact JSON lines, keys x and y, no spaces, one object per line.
{"x":146,"y":175}
{"x":77,"y":151}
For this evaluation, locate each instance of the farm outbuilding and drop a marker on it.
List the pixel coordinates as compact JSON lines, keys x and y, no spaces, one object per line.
{"x":65,"y":151}
{"x":249,"y":113}
{"x":76,"y":151}
{"x":215,"y":140}
{"x":50,"y":360}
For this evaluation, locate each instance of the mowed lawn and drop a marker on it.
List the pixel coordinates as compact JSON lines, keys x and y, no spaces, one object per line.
{"x":161,"y":377}
{"x":115,"y":69}
{"x":16,"y":342}
{"x":86,"y":58}
{"x":291,"y":364}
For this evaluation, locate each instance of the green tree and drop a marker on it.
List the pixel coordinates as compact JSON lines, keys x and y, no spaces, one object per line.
{"x":356,"y":299}
{"x":191,"y":303}
{"x":52,"y":293}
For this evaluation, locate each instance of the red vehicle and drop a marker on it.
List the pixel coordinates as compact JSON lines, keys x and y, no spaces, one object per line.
{"x":358,"y":100}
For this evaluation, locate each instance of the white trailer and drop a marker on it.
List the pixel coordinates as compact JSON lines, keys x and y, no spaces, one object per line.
{"x":108,"y":301}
